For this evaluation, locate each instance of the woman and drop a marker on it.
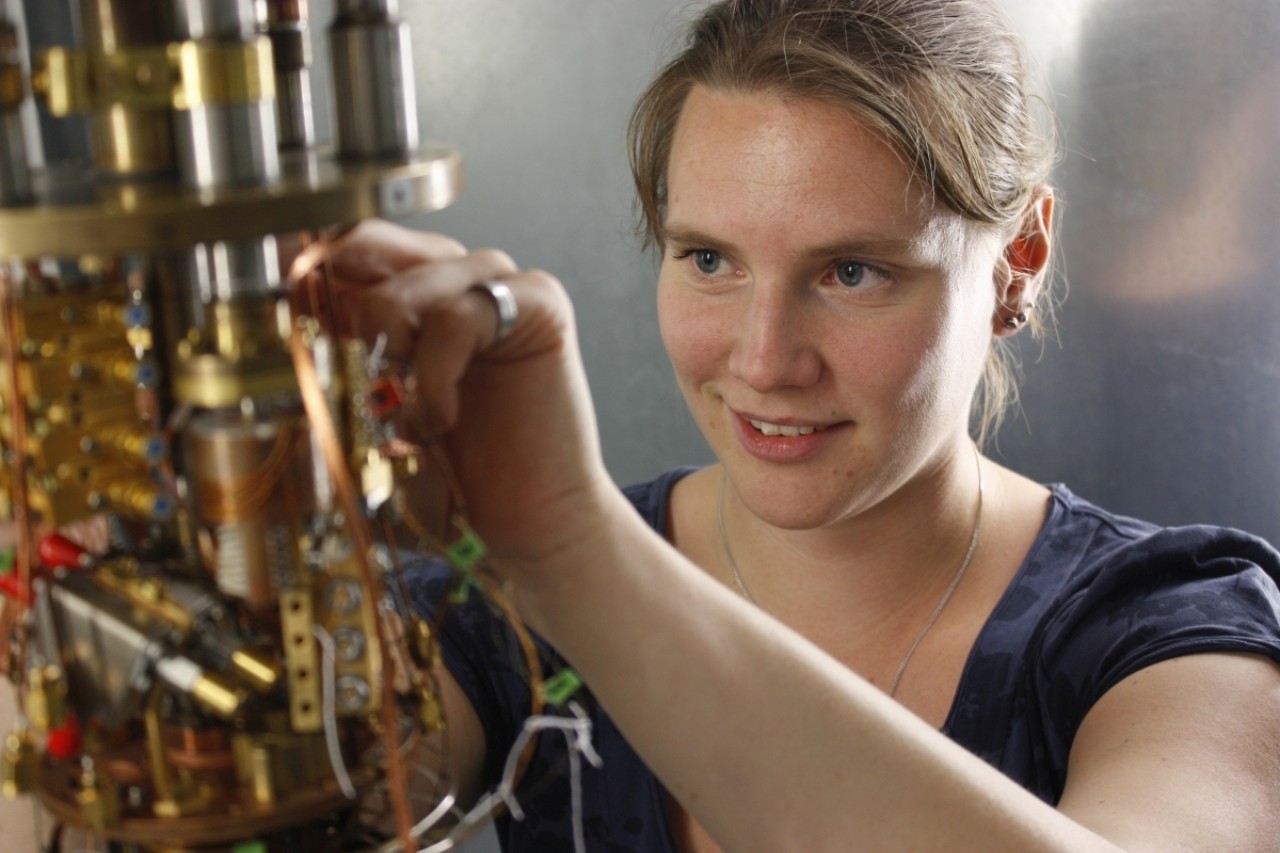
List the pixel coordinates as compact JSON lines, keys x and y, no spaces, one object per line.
{"x":850,"y":201}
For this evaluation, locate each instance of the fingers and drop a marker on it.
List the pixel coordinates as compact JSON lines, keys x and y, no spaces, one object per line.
{"x":433,"y":294}
{"x":416,"y":292}
{"x":456,"y":334}
{"x":375,"y":250}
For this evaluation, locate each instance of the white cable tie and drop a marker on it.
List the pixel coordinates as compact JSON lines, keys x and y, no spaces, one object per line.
{"x":329,"y":712}
{"x":577,"y":735}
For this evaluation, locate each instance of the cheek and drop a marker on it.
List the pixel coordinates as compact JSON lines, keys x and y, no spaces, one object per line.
{"x":909,"y":368}
{"x":945,"y":361}
{"x":692,"y":335}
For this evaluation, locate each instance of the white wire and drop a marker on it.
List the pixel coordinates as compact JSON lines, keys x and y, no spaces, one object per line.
{"x":373,"y":365}
{"x":445,"y":806}
{"x":577,"y":735}
{"x":329,"y":712}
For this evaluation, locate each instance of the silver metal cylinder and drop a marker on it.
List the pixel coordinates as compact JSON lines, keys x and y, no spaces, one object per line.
{"x":15,"y":168}
{"x":15,"y":172}
{"x":287,"y":27}
{"x":224,"y":270}
{"x":226,"y":145}
{"x":225,"y":19}
{"x":221,"y":145}
{"x":375,"y":99}
{"x":295,"y":115}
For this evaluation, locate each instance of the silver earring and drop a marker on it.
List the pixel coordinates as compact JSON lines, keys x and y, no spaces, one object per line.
{"x":1016,"y":320}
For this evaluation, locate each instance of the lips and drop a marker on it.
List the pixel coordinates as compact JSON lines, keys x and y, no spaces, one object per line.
{"x":782,"y":440}
{"x":782,"y":429}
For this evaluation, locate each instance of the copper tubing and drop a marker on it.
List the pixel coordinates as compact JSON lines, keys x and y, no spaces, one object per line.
{"x":326,"y":435}
{"x":26,"y":555}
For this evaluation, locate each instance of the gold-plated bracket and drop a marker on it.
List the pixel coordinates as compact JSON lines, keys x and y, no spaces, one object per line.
{"x":313,"y":193}
{"x":13,"y":88}
{"x":211,"y":72}
{"x":180,"y":75}
{"x":297,"y":617}
{"x":61,"y":78}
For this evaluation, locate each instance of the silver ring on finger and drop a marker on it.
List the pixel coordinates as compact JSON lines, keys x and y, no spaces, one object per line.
{"x":505,"y":301}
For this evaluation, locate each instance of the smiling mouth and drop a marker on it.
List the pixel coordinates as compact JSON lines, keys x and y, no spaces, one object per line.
{"x":778,"y":429}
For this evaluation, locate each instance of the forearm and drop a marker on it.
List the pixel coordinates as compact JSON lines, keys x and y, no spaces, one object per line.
{"x":738,"y":715}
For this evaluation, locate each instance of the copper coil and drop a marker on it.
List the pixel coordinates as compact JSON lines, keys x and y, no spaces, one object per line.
{"x":199,"y":749}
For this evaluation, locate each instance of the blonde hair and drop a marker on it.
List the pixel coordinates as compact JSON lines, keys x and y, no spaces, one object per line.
{"x":943,"y":81}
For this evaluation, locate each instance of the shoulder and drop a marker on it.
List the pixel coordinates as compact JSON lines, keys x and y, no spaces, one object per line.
{"x":652,"y":499}
{"x":1122,"y":594}
{"x":1099,"y":597}
{"x":1082,"y":545}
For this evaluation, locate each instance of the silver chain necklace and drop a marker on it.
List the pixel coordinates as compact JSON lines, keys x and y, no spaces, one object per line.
{"x":933,"y":617}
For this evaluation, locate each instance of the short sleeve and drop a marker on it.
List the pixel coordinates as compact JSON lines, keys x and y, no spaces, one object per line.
{"x":1175,"y":592}
{"x":1098,"y":598}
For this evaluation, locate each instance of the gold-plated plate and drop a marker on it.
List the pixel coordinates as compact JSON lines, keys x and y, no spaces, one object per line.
{"x":314,"y":192}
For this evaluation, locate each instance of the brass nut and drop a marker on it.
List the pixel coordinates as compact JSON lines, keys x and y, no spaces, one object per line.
{"x":13,"y":90}
{"x":214,"y":72}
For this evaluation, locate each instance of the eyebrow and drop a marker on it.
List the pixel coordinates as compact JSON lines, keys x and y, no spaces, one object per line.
{"x":876,"y":245}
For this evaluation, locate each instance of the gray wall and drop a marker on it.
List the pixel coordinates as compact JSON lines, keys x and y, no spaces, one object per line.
{"x":536,"y":95}
{"x":1161,"y":395}
{"x":1163,"y":399}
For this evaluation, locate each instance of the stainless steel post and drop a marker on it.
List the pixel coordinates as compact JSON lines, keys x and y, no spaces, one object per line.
{"x":373,"y":82}
{"x":287,"y":27}
{"x":227,"y":144}
{"x":224,"y":144}
{"x":15,"y":170}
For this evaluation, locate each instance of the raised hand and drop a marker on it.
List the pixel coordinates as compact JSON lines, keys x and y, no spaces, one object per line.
{"x":514,"y":414}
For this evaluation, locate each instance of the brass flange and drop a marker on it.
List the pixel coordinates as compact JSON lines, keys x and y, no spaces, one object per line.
{"x":313,"y":193}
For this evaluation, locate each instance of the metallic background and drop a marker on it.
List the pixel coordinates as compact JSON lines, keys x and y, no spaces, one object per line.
{"x":1160,"y":396}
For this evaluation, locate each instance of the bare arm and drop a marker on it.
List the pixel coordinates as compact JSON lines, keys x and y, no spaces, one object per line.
{"x":1184,"y":755}
{"x":782,"y":731}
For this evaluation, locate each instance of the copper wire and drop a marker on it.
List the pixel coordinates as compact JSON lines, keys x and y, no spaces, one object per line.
{"x":536,"y":702}
{"x":26,"y":535}
{"x":308,"y":267}
{"x":245,"y":496}
{"x":426,"y":673}
{"x":326,"y":434}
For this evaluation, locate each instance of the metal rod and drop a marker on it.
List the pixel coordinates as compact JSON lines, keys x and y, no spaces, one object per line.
{"x":373,"y":82}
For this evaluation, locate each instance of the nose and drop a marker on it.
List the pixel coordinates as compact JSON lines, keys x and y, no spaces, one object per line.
{"x":774,"y":347}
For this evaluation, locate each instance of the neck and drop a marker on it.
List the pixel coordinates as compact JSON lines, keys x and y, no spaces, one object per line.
{"x":890,"y":557}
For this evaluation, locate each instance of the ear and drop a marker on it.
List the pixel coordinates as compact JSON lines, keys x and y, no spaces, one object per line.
{"x":1025,"y":262}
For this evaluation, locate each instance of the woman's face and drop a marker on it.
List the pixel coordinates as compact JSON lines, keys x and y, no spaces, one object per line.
{"x":827,"y":321}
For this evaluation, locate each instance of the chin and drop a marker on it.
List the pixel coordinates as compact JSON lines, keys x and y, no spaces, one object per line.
{"x":791,"y":506}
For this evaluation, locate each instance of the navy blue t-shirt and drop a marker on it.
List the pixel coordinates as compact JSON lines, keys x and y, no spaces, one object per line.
{"x":1098,"y":598}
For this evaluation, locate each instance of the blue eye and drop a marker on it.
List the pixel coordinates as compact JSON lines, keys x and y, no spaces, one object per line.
{"x":850,"y":273}
{"x":707,"y":261}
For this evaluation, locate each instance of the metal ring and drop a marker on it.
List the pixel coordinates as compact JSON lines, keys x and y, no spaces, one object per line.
{"x":505,"y":301}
